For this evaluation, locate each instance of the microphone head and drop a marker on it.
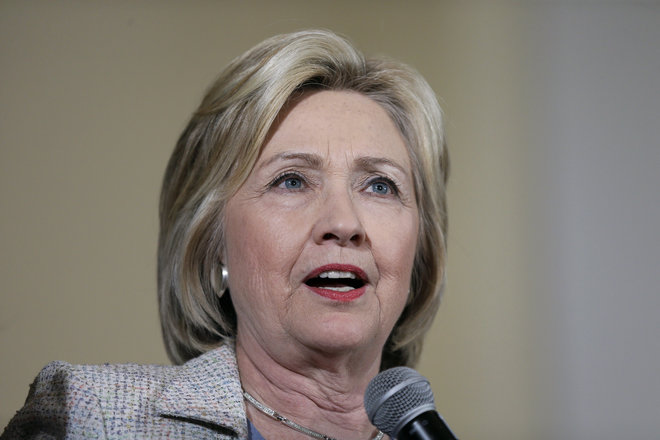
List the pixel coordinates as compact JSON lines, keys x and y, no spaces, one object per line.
{"x":396,"y":396}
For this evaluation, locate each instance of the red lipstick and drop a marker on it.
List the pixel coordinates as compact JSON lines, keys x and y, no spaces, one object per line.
{"x":329,"y":281}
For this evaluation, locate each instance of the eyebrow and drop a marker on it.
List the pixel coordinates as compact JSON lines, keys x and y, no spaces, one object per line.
{"x":371,"y":163}
{"x":314,"y":161}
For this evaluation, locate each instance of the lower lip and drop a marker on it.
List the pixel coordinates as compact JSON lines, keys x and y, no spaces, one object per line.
{"x":349,"y":296}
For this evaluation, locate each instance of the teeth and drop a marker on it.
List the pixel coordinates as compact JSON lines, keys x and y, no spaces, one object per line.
{"x":337,"y":274}
{"x":339,"y":289}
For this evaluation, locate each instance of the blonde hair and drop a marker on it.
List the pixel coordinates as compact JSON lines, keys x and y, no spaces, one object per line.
{"x":219,"y":147}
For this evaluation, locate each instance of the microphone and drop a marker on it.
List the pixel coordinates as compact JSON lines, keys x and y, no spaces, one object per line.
{"x":399,"y":402}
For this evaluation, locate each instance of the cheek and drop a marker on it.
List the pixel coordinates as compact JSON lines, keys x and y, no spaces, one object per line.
{"x":260,"y":250}
{"x":394,"y":250}
{"x":394,"y":245}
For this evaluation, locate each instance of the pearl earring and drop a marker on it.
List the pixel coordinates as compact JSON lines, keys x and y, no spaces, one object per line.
{"x":224,"y":285}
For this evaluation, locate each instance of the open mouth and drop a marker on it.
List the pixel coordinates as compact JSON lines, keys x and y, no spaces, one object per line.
{"x":336,"y":280}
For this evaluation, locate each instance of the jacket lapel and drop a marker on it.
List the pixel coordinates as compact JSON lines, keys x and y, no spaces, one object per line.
{"x":207,"y":389}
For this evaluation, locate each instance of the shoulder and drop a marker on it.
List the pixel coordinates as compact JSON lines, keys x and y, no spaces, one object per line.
{"x":122,"y":380}
{"x":122,"y":384}
{"x":131,"y":400}
{"x":72,"y":401}
{"x":61,"y":375}
{"x":56,"y":402}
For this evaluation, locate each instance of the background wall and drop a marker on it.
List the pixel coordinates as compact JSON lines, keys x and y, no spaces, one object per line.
{"x":549,"y":325}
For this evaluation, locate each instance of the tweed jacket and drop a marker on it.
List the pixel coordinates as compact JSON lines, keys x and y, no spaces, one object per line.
{"x":201,"y":399}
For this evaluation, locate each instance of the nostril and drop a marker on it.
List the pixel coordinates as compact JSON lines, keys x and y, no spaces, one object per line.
{"x":341,"y":234}
{"x":355,"y":238}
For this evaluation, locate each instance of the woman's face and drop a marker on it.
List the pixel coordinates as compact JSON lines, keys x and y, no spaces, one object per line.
{"x":320,"y":239}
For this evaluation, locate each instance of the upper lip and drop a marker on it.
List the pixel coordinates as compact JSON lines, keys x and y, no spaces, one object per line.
{"x":337,"y":267}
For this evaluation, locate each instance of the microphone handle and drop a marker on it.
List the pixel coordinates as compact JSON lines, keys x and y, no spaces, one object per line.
{"x":426,"y":426}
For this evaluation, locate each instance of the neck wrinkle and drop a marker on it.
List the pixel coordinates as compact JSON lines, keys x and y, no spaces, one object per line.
{"x":327,"y":401}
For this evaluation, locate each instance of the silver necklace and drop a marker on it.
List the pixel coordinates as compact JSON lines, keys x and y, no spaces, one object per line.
{"x":290,"y":423}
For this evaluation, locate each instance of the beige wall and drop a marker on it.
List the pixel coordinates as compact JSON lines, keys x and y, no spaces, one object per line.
{"x":93,"y":96}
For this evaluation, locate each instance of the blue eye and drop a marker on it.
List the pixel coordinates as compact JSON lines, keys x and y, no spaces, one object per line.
{"x":289,"y":181}
{"x":292,"y":183}
{"x":381,"y":188}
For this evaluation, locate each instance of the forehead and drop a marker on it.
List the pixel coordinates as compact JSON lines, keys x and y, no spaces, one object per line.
{"x":332,"y":123}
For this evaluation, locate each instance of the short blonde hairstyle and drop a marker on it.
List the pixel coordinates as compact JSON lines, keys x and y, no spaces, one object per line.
{"x":219,"y":147}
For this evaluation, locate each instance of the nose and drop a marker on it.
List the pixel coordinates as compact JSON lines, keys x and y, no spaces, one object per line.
{"x":339,"y":221}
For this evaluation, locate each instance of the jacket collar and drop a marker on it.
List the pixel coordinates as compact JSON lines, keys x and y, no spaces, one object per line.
{"x":207,"y":389}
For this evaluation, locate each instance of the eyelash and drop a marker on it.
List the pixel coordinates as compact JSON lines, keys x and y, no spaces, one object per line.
{"x":287,"y":175}
{"x":390,"y":183}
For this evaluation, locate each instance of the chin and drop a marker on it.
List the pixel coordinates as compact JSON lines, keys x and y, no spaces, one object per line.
{"x":338,"y":334}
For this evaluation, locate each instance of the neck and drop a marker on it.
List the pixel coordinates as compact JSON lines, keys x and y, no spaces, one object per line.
{"x":323,"y":395}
